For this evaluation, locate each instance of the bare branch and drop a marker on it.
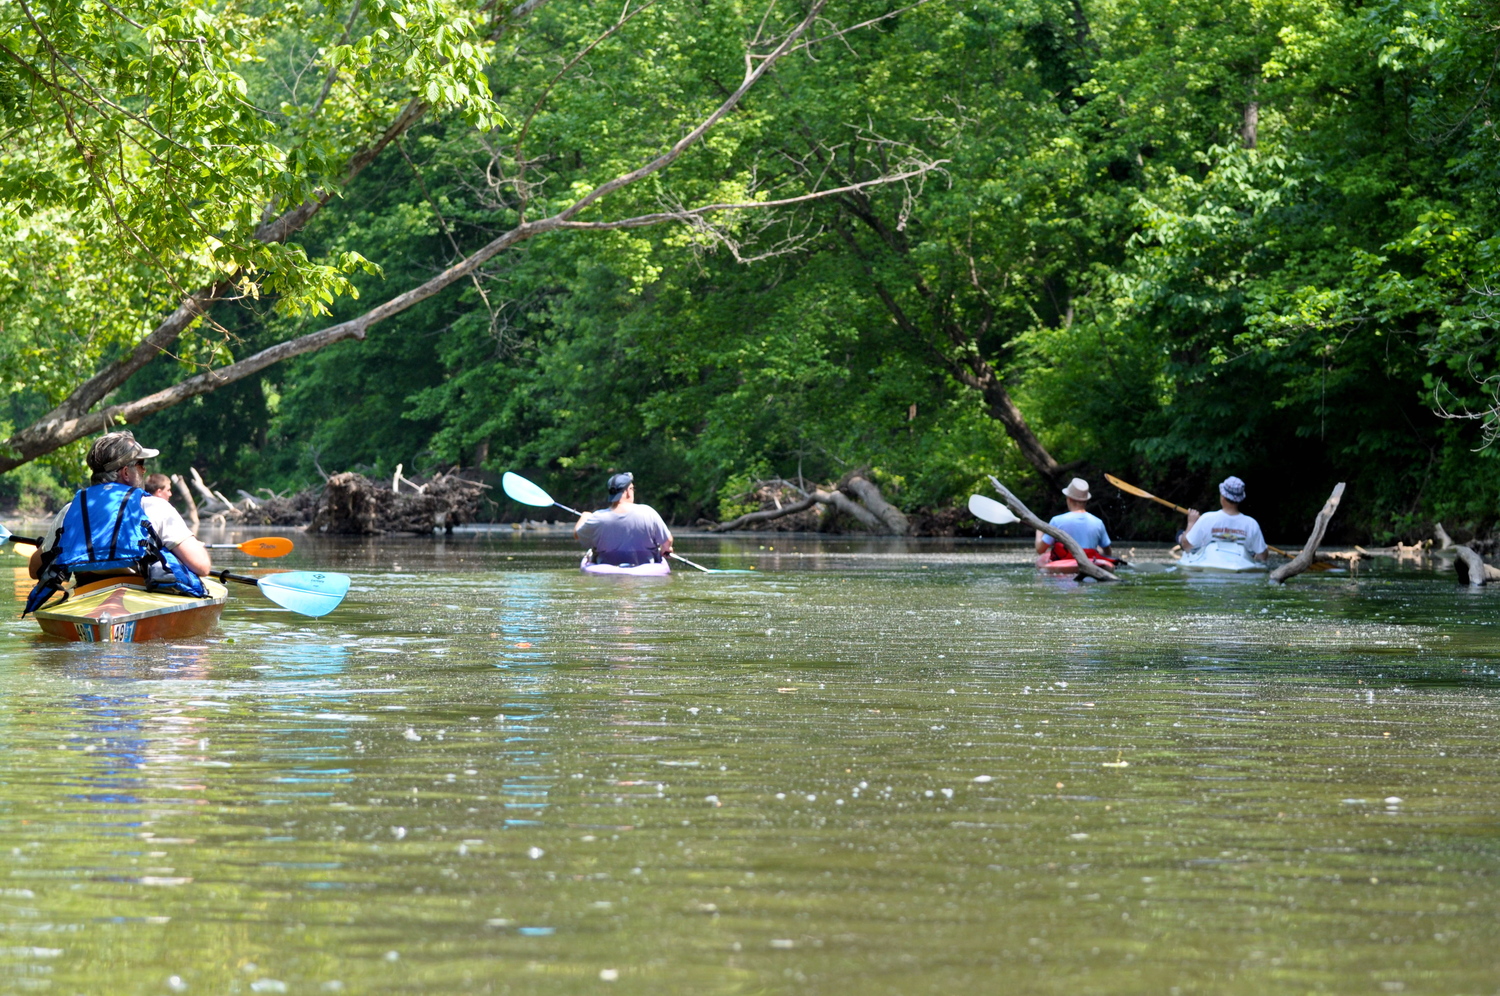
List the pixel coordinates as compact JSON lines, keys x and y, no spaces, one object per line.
{"x":641,"y":221}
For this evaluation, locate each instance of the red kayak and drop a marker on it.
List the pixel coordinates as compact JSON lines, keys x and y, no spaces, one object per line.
{"x":1067,"y":565}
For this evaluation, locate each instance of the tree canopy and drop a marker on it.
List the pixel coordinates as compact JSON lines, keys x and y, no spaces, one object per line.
{"x":1174,"y":241}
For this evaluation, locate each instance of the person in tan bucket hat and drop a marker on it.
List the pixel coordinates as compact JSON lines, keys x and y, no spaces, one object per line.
{"x":1085,"y":527}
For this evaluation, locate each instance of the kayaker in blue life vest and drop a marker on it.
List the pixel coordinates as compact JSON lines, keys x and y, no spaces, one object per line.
{"x":1077,"y":522}
{"x":626,"y":533}
{"x":113,"y":528}
{"x":1227,"y":524}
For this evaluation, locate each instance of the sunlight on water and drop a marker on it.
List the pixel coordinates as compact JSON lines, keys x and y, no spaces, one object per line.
{"x":866,"y":768}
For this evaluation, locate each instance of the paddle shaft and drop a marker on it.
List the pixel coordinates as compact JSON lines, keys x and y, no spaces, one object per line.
{"x":241,"y":578}
{"x":33,"y":540}
{"x":265,"y":546}
{"x":1143,"y":493}
{"x":678,"y":556}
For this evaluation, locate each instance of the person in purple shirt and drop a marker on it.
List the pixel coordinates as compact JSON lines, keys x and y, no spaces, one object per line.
{"x":1078,"y":523}
{"x":626,"y":533}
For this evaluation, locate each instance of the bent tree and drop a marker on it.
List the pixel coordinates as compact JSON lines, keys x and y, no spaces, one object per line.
{"x":169,"y":154}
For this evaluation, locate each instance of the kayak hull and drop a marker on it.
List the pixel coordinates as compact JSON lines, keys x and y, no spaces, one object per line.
{"x":122,"y":611}
{"x":1221,"y":558}
{"x":654,"y":569}
{"x":1070,"y":566}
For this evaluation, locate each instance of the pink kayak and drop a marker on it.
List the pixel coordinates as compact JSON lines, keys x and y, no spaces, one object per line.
{"x":651,"y":569}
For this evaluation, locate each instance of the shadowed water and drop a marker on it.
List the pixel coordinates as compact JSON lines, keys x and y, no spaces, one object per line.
{"x":866,"y":768}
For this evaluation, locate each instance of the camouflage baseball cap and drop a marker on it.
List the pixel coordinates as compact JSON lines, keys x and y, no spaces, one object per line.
{"x":115,"y":450}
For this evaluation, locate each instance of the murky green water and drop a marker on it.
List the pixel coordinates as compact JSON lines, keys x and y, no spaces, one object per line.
{"x":863,"y":769}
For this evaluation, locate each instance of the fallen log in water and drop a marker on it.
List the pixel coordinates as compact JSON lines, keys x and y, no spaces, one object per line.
{"x":1471,"y":568}
{"x":1086,"y":567}
{"x":871,"y":510}
{"x":186,"y":494}
{"x":1305,"y":558}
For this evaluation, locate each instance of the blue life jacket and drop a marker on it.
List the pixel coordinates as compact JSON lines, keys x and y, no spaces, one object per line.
{"x":106,"y":530}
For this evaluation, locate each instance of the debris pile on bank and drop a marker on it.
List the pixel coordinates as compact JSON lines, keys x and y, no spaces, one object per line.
{"x":347,"y":503}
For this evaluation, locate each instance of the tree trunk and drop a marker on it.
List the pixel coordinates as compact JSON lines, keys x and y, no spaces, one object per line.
{"x":891,"y":517}
{"x":1001,"y":407}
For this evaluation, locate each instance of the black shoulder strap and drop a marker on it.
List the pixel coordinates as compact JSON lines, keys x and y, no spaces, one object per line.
{"x":88,"y":530}
{"x":114,"y":536}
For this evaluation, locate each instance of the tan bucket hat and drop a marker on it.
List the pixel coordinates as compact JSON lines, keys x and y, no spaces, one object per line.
{"x":1078,"y":489}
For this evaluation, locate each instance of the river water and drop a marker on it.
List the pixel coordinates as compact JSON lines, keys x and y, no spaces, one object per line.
{"x":865,"y":768}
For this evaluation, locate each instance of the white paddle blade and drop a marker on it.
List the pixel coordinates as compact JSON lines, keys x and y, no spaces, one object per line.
{"x":991,"y":510}
{"x":310,"y":593}
{"x":524,"y":491}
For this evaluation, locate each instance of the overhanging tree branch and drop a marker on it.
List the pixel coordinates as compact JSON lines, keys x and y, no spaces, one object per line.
{"x":60,"y":429}
{"x":33,"y":441}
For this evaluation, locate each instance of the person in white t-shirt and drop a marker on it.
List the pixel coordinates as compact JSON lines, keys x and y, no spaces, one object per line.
{"x":1228,"y":525}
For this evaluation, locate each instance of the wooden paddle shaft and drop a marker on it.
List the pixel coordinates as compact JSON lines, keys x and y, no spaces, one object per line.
{"x":1143,"y":493}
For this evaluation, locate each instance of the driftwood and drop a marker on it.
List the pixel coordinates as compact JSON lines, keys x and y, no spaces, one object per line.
{"x":1086,"y":567}
{"x":1443,"y":537}
{"x":1471,"y":568}
{"x":872,"y":510}
{"x":186,"y":493}
{"x":352,"y":503}
{"x":1303,"y":560}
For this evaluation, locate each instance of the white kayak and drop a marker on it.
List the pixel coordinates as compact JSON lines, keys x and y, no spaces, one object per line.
{"x":1217,"y":555}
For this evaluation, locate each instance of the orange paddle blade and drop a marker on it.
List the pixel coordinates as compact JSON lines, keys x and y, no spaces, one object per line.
{"x":267,"y":546}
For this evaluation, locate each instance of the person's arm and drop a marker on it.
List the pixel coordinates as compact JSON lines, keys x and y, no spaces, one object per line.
{"x":192,"y":552}
{"x":1182,"y":537}
{"x":666,"y":546}
{"x":582,"y":535}
{"x":34,"y":565}
{"x":1043,"y":542}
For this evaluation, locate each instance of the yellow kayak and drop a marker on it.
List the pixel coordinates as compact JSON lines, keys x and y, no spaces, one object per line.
{"x":121,"y":610}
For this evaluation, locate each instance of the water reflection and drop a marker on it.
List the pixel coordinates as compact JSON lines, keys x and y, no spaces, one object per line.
{"x":871,"y":767}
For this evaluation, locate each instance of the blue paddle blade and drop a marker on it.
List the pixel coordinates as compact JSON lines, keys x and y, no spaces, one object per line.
{"x":4,"y":534}
{"x":524,"y":491}
{"x":311,"y":593}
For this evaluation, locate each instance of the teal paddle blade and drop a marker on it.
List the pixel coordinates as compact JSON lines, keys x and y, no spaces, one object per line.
{"x":524,"y":491}
{"x":4,"y":533}
{"x":311,"y":593}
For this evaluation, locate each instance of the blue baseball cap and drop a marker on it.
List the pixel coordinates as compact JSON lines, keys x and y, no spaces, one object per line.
{"x":618,"y":483}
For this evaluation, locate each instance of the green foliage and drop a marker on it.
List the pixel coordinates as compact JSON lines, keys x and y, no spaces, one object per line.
{"x":32,"y":491}
{"x":1164,"y":298}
